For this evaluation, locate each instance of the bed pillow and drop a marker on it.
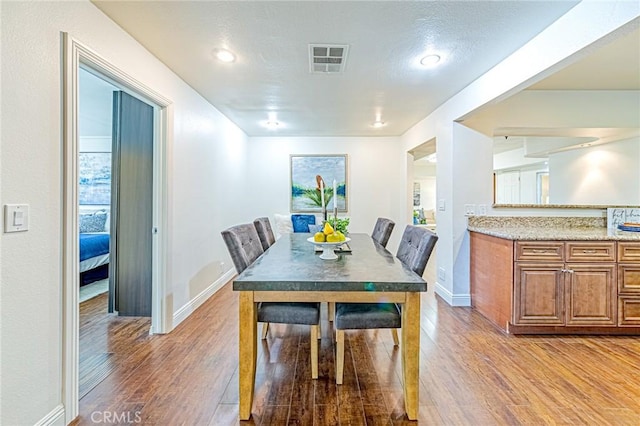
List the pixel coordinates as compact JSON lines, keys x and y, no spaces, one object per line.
{"x":93,"y":222}
{"x":283,"y":224}
{"x":315,"y":228}
{"x":301,"y":222}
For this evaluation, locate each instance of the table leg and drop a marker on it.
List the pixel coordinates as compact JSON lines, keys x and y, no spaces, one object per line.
{"x":247,"y":347}
{"x":411,"y":353}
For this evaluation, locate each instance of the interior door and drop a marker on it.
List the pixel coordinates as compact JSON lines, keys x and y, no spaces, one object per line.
{"x":131,"y":208}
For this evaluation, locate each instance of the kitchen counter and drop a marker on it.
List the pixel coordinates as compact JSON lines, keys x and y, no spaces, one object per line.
{"x":548,"y":228}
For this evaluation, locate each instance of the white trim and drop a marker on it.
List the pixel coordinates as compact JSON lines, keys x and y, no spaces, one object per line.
{"x":55,"y":417}
{"x":188,"y":308}
{"x":76,"y":55}
{"x":452,"y":299}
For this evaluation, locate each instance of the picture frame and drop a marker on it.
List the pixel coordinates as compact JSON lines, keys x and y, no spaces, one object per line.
{"x":304,"y":191}
{"x":94,"y":178}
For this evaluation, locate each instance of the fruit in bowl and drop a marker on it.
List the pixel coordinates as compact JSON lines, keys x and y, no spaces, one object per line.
{"x":319,"y":237}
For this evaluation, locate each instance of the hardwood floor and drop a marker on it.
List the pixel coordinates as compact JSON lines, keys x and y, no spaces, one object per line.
{"x":470,"y":374}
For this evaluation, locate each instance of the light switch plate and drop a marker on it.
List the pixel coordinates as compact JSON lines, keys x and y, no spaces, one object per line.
{"x":16,"y":217}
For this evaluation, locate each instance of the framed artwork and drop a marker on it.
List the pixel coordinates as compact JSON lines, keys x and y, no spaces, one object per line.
{"x":94,"y":178}
{"x":307,"y":172}
{"x":416,"y":194}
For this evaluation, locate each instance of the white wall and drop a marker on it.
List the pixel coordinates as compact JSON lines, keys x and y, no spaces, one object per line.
{"x":206,"y":166}
{"x":374,"y":184}
{"x":586,"y":23}
{"x":601,"y":174}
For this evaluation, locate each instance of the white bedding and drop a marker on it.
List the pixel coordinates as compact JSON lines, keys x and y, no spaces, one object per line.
{"x":94,"y":262}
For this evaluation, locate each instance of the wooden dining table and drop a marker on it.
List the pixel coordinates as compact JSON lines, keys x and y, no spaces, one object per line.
{"x":292,"y":271}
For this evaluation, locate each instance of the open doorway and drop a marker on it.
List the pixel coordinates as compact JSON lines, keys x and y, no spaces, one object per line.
{"x":424,"y":184}
{"x":156,"y":110}
{"x":115,"y":197}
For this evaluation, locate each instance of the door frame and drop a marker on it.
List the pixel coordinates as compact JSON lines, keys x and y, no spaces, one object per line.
{"x":75,"y":56}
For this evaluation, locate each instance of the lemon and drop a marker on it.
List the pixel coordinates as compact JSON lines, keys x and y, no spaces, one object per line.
{"x":333,"y":238}
{"x":318,"y":237}
{"x":341,"y":236}
{"x":328,"y":229}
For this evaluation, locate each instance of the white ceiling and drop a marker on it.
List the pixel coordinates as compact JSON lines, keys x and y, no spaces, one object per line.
{"x":386,"y":40}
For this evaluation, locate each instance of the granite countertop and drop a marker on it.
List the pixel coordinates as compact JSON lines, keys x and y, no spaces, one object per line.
{"x":548,"y":228}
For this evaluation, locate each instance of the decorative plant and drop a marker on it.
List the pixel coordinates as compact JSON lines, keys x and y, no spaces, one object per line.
{"x":340,"y":224}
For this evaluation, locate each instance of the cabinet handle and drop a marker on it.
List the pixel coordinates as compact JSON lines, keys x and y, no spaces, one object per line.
{"x":590,"y":251}
{"x":538,"y":251}
{"x":567,"y":270}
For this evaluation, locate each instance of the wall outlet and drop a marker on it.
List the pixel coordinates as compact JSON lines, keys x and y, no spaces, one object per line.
{"x":482,"y":209}
{"x":469,"y":209}
{"x":441,"y":274}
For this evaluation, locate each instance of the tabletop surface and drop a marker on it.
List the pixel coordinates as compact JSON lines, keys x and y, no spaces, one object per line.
{"x":292,"y":264}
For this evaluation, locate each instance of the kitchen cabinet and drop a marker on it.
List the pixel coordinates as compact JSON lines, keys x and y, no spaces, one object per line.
{"x":556,"y":287}
{"x":628,"y":284}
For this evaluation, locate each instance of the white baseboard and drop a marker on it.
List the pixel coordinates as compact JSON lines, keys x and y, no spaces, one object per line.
{"x":54,"y":418}
{"x":182,"y":313}
{"x":452,"y":299}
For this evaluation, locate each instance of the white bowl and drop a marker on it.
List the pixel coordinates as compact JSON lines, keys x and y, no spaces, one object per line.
{"x":328,"y":248}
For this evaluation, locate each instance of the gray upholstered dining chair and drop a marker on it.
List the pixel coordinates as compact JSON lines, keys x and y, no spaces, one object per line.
{"x":414,"y":251}
{"x":265,"y":232}
{"x":382,"y":230}
{"x":381,"y":233}
{"x":245,"y":247}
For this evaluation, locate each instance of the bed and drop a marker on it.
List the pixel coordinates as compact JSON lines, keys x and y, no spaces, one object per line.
{"x":94,"y":247}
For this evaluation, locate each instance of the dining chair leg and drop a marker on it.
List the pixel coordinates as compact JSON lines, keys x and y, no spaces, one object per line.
{"x":319,"y":331}
{"x":265,"y":330}
{"x":315,"y":331}
{"x":331,"y":310}
{"x":394,"y":334}
{"x":339,"y":356}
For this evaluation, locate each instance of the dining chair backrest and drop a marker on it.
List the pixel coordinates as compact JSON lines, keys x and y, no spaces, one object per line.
{"x":382,"y":230}
{"x":243,"y":244}
{"x":415,"y":247}
{"x":265,"y":233}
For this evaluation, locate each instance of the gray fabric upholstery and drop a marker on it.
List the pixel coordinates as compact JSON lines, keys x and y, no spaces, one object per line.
{"x":263,"y":227}
{"x":415,"y":248}
{"x":414,"y":251}
{"x":382,"y":230}
{"x":243,"y":244}
{"x":289,"y":313}
{"x":245,"y":247}
{"x":351,"y":316}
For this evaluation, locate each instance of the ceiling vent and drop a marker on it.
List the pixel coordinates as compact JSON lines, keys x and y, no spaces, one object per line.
{"x":327,"y":58}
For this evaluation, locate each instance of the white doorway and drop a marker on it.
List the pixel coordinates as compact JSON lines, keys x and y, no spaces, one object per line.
{"x":77,"y":56}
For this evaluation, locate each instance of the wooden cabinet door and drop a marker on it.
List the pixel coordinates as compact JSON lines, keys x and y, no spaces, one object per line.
{"x":539,"y":294}
{"x":591,"y":294}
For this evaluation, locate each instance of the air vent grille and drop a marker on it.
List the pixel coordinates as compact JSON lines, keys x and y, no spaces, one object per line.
{"x":327,"y":58}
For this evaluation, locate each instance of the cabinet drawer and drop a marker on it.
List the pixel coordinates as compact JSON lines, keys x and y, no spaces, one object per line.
{"x":628,"y":310}
{"x":628,"y":252}
{"x":629,"y":278}
{"x":590,"y":251}
{"x":539,"y":250}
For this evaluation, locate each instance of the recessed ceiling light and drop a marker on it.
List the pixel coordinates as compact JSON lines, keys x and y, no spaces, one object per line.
{"x":430,"y":60}
{"x":271,"y":124}
{"x":378,"y":123}
{"x":224,"y":55}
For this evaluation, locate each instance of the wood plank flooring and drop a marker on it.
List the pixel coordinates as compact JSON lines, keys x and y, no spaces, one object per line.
{"x":470,"y":374}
